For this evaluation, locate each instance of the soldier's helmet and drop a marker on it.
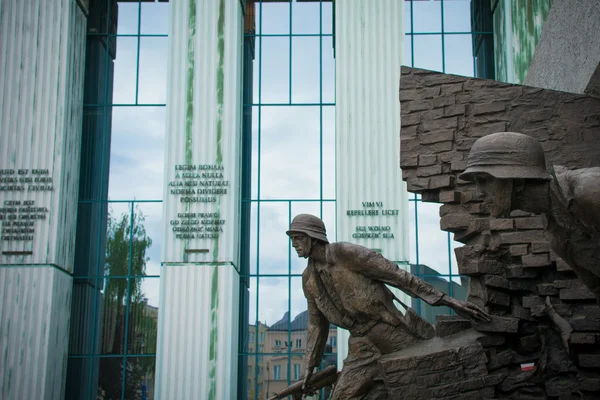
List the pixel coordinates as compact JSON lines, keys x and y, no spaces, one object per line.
{"x":309,"y":225}
{"x":506,"y":155}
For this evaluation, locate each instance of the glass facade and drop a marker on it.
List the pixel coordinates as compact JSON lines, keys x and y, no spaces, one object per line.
{"x":114,"y":315}
{"x":288,"y":168}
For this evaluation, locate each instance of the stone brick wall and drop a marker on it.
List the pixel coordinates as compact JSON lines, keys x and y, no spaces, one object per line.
{"x":509,"y":261}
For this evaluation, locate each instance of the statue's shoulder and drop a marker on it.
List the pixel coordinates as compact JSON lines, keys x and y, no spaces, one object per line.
{"x":346,"y":251}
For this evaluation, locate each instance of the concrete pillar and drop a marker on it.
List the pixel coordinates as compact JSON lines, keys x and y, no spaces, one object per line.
{"x":42,"y":51}
{"x":370,"y":194}
{"x":198,"y":317}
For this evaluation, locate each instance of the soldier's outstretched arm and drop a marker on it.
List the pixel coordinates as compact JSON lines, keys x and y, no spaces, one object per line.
{"x":373,"y":265}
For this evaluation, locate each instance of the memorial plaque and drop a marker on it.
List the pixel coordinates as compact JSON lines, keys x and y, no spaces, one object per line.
{"x":22,"y":210}
{"x":197,"y":191}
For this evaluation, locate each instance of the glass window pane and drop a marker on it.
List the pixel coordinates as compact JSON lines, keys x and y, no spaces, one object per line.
{"x":84,"y":305}
{"x":457,"y":16}
{"x":140,"y":378}
{"x":149,"y":221}
{"x":112,"y":322}
{"x":274,"y":243}
{"x":143,"y":315}
{"x":328,"y":70}
{"x":137,"y":153}
{"x":305,"y":17}
{"x":274,"y":75}
{"x":328,"y":152}
{"x":125,"y":70}
{"x":432,"y":242}
{"x":290,"y":153}
{"x":253,"y":262}
{"x":99,"y":70}
{"x":327,"y":18}
{"x":155,"y":18}
{"x":118,"y":239}
{"x":152,"y":85}
{"x":428,"y":52}
{"x":128,"y":17}
{"x":110,"y":380}
{"x":306,"y":79}
{"x":273,"y":306}
{"x":408,"y":56}
{"x":78,"y":378}
{"x":407,"y":16}
{"x":275,"y":18}
{"x":427,"y":16}
{"x":459,"y":54}
{"x":255,"y":70}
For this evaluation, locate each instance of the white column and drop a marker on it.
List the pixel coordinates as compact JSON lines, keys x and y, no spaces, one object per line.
{"x":42,"y":53}
{"x":198,"y":317}
{"x":371,"y":200}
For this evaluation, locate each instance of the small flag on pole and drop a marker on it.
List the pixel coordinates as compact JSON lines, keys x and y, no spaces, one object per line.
{"x":527,"y":366}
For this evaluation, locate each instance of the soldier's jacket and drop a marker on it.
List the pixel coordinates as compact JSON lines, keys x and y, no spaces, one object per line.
{"x":348,"y":291}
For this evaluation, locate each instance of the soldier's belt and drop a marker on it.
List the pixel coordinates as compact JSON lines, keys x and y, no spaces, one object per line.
{"x":356,"y":327}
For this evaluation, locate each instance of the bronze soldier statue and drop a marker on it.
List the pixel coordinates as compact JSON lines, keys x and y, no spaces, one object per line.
{"x":510,"y":172}
{"x":344,"y":284}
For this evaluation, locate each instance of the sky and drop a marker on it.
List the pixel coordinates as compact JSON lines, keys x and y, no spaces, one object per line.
{"x":289,"y":153}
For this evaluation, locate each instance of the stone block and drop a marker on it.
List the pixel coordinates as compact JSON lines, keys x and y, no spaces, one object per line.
{"x":408,"y":161}
{"x":518,"y":250}
{"x":419,"y":94}
{"x":439,"y":182}
{"x":530,"y":223}
{"x":458,"y":165}
{"x":499,"y":324}
{"x":535,"y":260}
{"x":437,"y":136}
{"x":410,"y":106}
{"x":446,"y":325}
{"x":501,"y":224}
{"x":409,"y":132}
{"x":488,"y":128}
{"x":581,"y":293}
{"x":411,"y":119}
{"x":500,"y":360}
{"x":449,"y":196}
{"x":429,"y":171}
{"x":530,"y":301}
{"x":480,"y":267}
{"x":452,"y":88}
{"x":487,"y":108}
{"x":454,"y":222}
{"x":427,"y":159}
{"x":540,"y":247}
{"x":454,"y":110}
{"x":492,"y":340}
{"x":522,"y":285}
{"x":589,"y":360}
{"x":443,"y":101}
{"x":496,"y":281}
{"x":440,"y":124}
{"x":498,"y":298}
{"x":561,"y":265}
{"x":517,"y":271}
{"x":590,"y":384}
{"x":547,"y":289}
{"x":522,"y":237}
{"x":529,"y":343}
{"x":584,"y":338}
